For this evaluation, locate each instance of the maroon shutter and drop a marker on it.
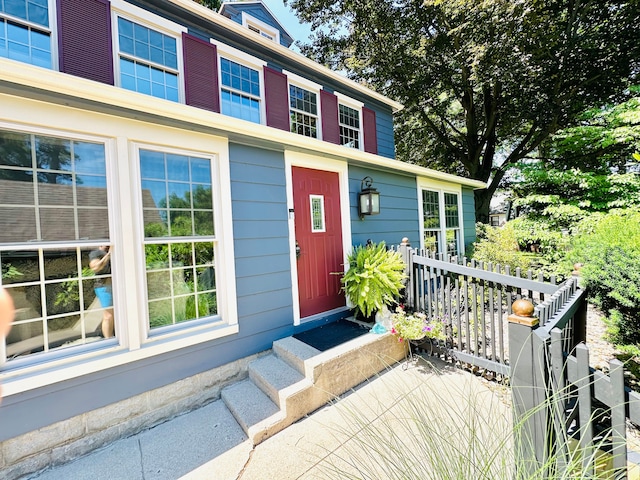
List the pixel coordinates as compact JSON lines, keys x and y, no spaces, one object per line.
{"x":276,"y":90}
{"x":369,"y":129}
{"x":329,"y":110}
{"x":84,"y":39}
{"x":200,"y":73}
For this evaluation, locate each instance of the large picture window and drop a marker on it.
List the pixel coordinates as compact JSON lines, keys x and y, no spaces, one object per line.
{"x":25,"y":31}
{"x":240,"y":91}
{"x":53,"y":222}
{"x":179,"y":237}
{"x":148,"y":60}
{"x":441,"y":222}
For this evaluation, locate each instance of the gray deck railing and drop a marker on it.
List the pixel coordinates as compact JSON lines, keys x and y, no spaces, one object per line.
{"x":474,"y":300}
{"x":559,"y":401}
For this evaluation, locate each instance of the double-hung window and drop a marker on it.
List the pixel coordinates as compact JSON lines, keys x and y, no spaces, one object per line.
{"x":304,"y":111}
{"x":147,"y":52}
{"x":441,"y":221}
{"x":241,"y":90}
{"x":179,"y":237}
{"x":54,"y":221}
{"x":350,"y":121}
{"x":25,"y":31}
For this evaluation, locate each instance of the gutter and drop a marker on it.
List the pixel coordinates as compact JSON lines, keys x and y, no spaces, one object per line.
{"x":18,"y":79}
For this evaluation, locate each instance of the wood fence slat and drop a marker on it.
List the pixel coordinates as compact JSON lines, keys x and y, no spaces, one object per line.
{"x":584,"y":416}
{"x":618,"y":416}
{"x":559,"y":399}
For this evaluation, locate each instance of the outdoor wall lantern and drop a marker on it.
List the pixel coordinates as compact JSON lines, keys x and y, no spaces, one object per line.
{"x":368,"y":199}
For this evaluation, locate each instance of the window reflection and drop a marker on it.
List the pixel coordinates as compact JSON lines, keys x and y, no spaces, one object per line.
{"x":56,"y":300}
{"x":177,"y":202}
{"x":41,"y":170}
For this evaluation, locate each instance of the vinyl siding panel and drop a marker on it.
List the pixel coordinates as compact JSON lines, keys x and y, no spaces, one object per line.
{"x":398,"y":216}
{"x":261,"y":239}
{"x":469,"y":216}
{"x":386,"y":140}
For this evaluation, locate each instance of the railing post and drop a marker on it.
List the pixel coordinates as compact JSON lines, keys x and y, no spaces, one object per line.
{"x":580,"y":318}
{"x":405,"y":251}
{"x":528,"y":439}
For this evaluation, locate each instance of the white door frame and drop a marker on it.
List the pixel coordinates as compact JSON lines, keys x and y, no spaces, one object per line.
{"x":297,"y":159}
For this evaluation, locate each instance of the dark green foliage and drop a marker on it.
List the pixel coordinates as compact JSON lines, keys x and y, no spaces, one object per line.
{"x":212,"y":4}
{"x":610,"y":251}
{"x":484,"y":83}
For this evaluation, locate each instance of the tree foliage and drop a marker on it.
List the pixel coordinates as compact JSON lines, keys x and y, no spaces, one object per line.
{"x":484,"y":82}
{"x":587,"y":168}
{"x":212,"y":4}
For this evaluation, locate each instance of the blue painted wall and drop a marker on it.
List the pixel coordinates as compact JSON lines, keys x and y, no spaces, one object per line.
{"x":384,"y":131}
{"x":398,"y":216}
{"x":469,"y":217}
{"x":261,"y":239}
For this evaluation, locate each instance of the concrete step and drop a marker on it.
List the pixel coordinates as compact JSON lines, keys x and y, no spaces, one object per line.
{"x":295,"y":353}
{"x":276,"y":378}
{"x":254,"y":411}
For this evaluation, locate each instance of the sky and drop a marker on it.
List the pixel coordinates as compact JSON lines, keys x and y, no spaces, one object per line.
{"x":289,"y":21}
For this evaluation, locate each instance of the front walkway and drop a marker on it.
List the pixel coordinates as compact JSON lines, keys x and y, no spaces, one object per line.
{"x":431,"y":415}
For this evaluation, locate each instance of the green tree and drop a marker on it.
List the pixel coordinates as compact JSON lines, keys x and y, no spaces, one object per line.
{"x":212,"y":4}
{"x":590,"y":167}
{"x":484,"y":82}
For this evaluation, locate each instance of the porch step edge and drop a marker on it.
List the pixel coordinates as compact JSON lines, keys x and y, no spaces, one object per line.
{"x":278,"y":379}
{"x":295,"y":353}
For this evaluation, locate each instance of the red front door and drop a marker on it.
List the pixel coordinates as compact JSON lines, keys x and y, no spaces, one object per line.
{"x":316,"y":203}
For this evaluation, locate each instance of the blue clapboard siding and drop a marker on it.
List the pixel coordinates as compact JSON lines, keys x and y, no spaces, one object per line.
{"x":386,"y":144}
{"x":398,"y":208}
{"x":261,"y":240}
{"x":469,"y":216}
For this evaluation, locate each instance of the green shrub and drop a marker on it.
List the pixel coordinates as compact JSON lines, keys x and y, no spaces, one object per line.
{"x":499,"y":246}
{"x":374,"y":279}
{"x":610,"y":252}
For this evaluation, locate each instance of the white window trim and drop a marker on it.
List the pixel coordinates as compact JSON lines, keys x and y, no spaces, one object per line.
{"x":262,"y":26}
{"x":313,"y":87}
{"x":131,"y":343}
{"x":138,"y":15}
{"x":247,"y":60}
{"x":441,"y":188}
{"x":227,"y":314}
{"x":52,"y":29}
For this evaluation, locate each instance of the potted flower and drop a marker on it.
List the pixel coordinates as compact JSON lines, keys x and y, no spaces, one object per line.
{"x":374,"y":278}
{"x":416,"y":326}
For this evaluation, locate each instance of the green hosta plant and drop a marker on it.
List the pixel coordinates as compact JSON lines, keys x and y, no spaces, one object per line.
{"x":374,"y":279}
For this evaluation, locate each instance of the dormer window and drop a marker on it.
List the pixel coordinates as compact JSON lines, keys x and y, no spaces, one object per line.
{"x":261,"y":28}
